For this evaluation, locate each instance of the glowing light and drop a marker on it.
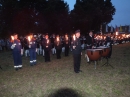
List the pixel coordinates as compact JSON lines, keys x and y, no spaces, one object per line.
{"x":74,"y":37}
{"x":12,"y":37}
{"x":57,"y":38}
{"x":47,"y":41}
{"x":117,"y":33}
{"x":29,"y":38}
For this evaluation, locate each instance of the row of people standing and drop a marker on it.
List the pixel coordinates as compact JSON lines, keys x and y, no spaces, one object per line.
{"x":30,"y":43}
{"x":17,"y":51}
{"x":40,"y":41}
{"x":54,"y":44}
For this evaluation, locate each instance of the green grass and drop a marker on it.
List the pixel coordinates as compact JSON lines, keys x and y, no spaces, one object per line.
{"x":57,"y":76}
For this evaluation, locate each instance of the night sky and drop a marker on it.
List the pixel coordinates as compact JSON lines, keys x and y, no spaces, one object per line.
{"x":122,"y":14}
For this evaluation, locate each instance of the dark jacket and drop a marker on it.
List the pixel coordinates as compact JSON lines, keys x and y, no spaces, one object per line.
{"x":78,"y":48}
{"x":45,"y":44}
{"x":90,"y":40}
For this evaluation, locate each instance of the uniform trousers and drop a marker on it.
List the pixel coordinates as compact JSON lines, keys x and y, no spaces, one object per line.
{"x":109,"y":55}
{"x":77,"y":61}
{"x":32,"y":53}
{"x":58,"y":53}
{"x":47,"y":55}
{"x":66,"y":50}
{"x":17,"y":59}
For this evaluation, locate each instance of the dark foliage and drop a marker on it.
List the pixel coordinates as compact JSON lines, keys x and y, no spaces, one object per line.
{"x":53,"y":16}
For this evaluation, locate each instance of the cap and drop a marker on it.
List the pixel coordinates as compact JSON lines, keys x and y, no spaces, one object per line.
{"x":77,"y":31}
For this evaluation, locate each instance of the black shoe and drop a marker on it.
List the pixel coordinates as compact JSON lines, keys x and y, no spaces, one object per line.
{"x":80,"y":71}
{"x":20,"y":67}
{"x":76,"y":71}
{"x":88,"y":62}
{"x":16,"y":69}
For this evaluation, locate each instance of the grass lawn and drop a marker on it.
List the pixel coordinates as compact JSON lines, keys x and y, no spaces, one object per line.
{"x":57,"y":78}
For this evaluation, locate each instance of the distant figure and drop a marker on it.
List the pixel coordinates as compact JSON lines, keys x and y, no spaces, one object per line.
{"x":77,"y":51}
{"x":90,"y":40}
{"x":47,"y":48}
{"x":90,"y":43}
{"x":108,"y":43}
{"x":26,"y":48}
{"x":67,"y":44}
{"x":53,"y":44}
{"x":32,"y":50}
{"x":17,"y":51}
{"x":58,"y":46}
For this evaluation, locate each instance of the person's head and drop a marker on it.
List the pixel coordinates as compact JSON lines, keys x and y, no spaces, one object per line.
{"x":77,"y":33}
{"x":46,"y":36}
{"x":34,"y":36}
{"x":53,"y":35}
{"x":15,"y":35}
{"x":108,"y":34}
{"x":57,"y":35}
{"x":90,"y":33}
{"x":66,"y":35}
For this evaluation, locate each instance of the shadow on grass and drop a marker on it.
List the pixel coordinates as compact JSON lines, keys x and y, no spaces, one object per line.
{"x":65,"y":92}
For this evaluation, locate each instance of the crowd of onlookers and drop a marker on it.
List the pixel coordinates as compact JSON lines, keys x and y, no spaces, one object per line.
{"x":4,"y":44}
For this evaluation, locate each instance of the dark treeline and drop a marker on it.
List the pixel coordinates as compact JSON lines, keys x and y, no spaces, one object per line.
{"x":53,"y":16}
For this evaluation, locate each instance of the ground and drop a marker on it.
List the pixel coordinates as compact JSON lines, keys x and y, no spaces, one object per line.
{"x":57,"y":77}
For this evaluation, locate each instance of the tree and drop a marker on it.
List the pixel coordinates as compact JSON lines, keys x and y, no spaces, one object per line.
{"x":90,"y":14}
{"x":57,"y":16}
{"x":37,"y":16}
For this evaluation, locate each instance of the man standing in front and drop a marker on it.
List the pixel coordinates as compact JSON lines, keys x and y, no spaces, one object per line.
{"x":17,"y":51}
{"x":77,"y":51}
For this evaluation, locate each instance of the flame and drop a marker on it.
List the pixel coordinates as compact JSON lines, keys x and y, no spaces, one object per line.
{"x":47,"y":40}
{"x":66,"y":38}
{"x":74,"y":37}
{"x":12,"y":37}
{"x":29,"y":38}
{"x":116,"y":33}
{"x":57,"y":38}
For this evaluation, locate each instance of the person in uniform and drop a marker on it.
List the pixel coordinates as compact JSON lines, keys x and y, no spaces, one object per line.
{"x":17,"y":51}
{"x":53,"y":44}
{"x":108,"y":43}
{"x":38,"y":44}
{"x":77,"y":51}
{"x":32,"y":49}
{"x":90,"y":40}
{"x":22,"y":43}
{"x":67,"y":44}
{"x":63,"y":43}
{"x":90,"y":43}
{"x":26,"y":48}
{"x":42,"y":42}
{"x":47,"y":48}
{"x":58,"y":46}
